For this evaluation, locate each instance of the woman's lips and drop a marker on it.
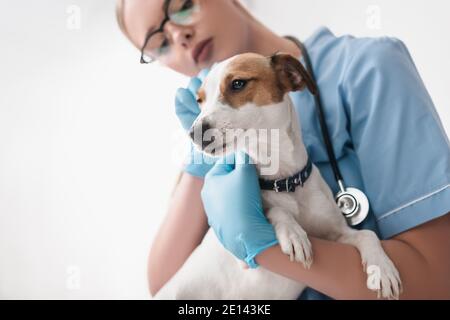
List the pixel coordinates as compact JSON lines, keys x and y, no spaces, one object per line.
{"x":203,"y":50}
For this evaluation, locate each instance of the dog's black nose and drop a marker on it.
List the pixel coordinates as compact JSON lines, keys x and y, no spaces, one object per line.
{"x":204,"y":126}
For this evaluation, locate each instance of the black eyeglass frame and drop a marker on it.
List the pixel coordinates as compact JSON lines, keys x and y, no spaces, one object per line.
{"x":160,"y":29}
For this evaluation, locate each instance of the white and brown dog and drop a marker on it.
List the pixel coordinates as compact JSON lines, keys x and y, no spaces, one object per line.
{"x":250,"y":91}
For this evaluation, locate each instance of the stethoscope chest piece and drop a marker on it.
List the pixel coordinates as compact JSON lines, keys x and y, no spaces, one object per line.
{"x":353,"y":204}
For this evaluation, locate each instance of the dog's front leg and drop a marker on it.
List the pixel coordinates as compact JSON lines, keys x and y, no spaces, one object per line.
{"x":291,"y":236}
{"x":376,"y":263}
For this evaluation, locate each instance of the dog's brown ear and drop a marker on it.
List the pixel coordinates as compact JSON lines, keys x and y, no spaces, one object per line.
{"x":291,"y":74}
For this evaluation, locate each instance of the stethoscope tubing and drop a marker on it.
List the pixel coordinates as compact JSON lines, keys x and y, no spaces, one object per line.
{"x":321,"y":116}
{"x":352,"y":202}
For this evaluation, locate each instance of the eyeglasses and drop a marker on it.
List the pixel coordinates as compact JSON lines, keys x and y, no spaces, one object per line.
{"x":179,"y":12}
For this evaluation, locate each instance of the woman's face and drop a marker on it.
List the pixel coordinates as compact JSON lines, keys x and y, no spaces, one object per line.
{"x":222,"y":21}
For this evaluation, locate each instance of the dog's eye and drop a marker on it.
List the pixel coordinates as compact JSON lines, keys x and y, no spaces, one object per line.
{"x":237,"y":85}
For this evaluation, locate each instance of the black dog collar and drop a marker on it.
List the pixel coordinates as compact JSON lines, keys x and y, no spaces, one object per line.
{"x":288,"y":184}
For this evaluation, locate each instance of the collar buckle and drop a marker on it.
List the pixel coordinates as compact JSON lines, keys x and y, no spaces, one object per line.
{"x":290,"y":185}
{"x":276,"y":187}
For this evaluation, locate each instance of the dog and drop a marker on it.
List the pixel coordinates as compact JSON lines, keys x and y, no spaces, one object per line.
{"x":250,"y":92}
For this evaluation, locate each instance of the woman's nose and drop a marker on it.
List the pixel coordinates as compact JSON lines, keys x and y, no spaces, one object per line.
{"x":181,"y":35}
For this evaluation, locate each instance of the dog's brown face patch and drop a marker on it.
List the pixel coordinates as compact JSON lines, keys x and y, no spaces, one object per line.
{"x":201,"y":96}
{"x":253,"y":78}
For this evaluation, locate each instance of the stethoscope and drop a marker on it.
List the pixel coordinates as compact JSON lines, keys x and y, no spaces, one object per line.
{"x":352,"y":202}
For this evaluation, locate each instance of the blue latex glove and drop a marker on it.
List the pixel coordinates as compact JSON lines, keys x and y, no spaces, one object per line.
{"x":232,"y":200}
{"x":187,"y":110}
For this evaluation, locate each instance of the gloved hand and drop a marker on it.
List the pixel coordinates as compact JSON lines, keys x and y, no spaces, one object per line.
{"x":187,"y":110}
{"x":232,"y":200}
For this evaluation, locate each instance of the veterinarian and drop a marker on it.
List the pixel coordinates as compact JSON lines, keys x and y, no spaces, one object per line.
{"x":386,"y":134}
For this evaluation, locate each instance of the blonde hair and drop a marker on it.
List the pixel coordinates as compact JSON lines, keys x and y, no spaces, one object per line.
{"x":120,"y":4}
{"x":120,"y":17}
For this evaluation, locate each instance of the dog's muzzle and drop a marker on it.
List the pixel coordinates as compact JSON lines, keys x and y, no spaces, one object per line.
{"x":197,"y":134}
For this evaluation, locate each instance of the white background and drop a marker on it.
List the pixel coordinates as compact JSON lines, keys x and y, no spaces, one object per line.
{"x":87,"y":134}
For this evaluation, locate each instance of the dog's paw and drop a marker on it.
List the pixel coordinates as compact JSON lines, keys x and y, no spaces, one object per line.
{"x":382,"y":276}
{"x":295,"y":243}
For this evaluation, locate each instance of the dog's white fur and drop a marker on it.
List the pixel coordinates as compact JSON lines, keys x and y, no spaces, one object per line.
{"x":211,"y":272}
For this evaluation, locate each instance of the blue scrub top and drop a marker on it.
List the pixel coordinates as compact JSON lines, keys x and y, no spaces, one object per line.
{"x":385,"y":131}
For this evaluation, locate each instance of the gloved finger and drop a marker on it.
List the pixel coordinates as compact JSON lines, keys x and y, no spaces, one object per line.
{"x":222,"y":167}
{"x":185,"y":116}
{"x":200,"y":158}
{"x":186,"y":108}
{"x":193,"y":86}
{"x":228,"y":159}
{"x":203,"y":73}
{"x":242,"y":159}
{"x":186,"y":119}
{"x":185,"y":99}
